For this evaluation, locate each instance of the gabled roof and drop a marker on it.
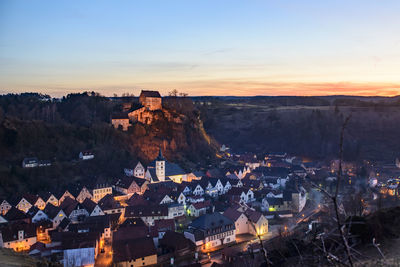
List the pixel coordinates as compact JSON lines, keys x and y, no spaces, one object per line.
{"x":253,"y":215}
{"x":237,"y":191}
{"x":176,"y":241}
{"x":232,"y":214}
{"x":46,"y":195}
{"x":146,"y":93}
{"x":211,"y":221}
{"x":89,"y":205}
{"x":32,"y":211}
{"x":69,"y":205}
{"x":133,"y":249}
{"x":10,"y":232}
{"x":108,"y":203}
{"x":64,"y":223}
{"x":31,"y":198}
{"x":201,"y":205}
{"x":130,"y":232}
{"x":164,"y":225}
{"x":15,"y":214}
{"x":137,"y":199}
{"x":51,"y":210}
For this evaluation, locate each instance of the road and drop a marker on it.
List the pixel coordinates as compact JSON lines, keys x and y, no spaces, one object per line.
{"x":104,"y":259}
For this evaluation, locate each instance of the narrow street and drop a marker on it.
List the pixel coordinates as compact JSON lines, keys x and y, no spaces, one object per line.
{"x":104,"y":259}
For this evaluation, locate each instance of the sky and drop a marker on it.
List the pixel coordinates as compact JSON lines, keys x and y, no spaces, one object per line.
{"x":203,"y":47}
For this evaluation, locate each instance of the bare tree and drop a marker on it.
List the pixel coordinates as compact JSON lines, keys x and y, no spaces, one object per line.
{"x":334,"y":199}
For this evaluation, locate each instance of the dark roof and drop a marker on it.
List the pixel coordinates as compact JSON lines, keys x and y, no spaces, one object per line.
{"x":202,"y":205}
{"x":31,"y":198}
{"x":211,"y":221}
{"x":133,"y":249}
{"x":108,"y":203}
{"x":173,"y":169}
{"x":174,"y":241}
{"x":146,"y":211}
{"x":10,"y":232}
{"x":232,"y":214}
{"x":64,"y":223}
{"x":71,"y":240}
{"x":137,"y":199}
{"x":120,"y":116}
{"x":89,"y":205}
{"x":91,"y":224}
{"x":51,"y":210}
{"x":133,"y":222}
{"x":131,"y":232}
{"x":125,"y":182}
{"x":253,"y":215}
{"x":69,"y":205}
{"x":15,"y":214}
{"x":164,"y":225}
{"x":149,"y":94}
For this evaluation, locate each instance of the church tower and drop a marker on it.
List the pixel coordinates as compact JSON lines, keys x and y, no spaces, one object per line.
{"x":160,"y":167}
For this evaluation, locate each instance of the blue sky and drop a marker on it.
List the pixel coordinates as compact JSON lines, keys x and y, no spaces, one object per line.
{"x":201,"y":47}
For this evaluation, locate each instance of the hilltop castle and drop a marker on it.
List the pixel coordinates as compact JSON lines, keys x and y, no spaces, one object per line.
{"x":150,"y":101}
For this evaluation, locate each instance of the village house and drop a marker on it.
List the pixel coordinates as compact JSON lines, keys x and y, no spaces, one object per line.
{"x":86,"y":155}
{"x":14,"y":215}
{"x":131,"y":185}
{"x":50,"y":198}
{"x":37,"y":215}
{"x":19,"y":237}
{"x":175,"y":245}
{"x":30,"y":163}
{"x":148,"y":213}
{"x":100,"y":191}
{"x":199,"y":208}
{"x":84,"y":194}
{"x":242,"y":194}
{"x":4,"y":206}
{"x":55,"y":214}
{"x":78,"y":249}
{"x":109,"y":205}
{"x":175,"y":210}
{"x":3,"y":219}
{"x":210,"y":231}
{"x":24,"y":204}
{"x":258,"y":223}
{"x":74,"y":210}
{"x":64,"y":195}
{"x":120,"y":121}
{"x":139,"y":170}
{"x":92,"y":208}
{"x":240,"y":220}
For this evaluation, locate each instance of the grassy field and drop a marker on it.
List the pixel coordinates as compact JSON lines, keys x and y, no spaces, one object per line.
{"x":9,"y":258}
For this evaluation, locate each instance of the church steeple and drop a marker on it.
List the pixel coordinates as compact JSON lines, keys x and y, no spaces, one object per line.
{"x":160,"y":166}
{"x":160,"y":156}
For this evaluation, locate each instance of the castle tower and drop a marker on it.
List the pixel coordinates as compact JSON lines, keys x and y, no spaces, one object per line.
{"x":160,"y":166}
